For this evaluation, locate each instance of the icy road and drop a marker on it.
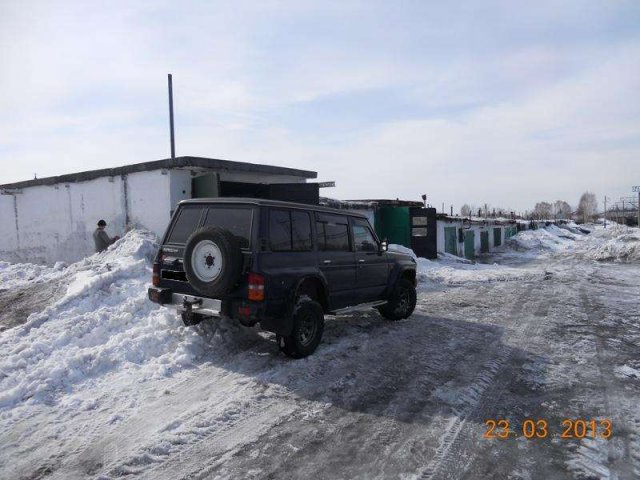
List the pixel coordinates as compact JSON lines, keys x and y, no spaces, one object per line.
{"x":98,"y":383}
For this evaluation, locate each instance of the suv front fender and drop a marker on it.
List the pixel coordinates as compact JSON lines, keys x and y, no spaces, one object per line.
{"x":401,"y":270}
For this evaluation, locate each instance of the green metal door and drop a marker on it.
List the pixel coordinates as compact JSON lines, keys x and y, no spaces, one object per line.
{"x":497,"y":237}
{"x":484,"y":242}
{"x":450,"y":240}
{"x":392,"y":223}
{"x":469,"y":247}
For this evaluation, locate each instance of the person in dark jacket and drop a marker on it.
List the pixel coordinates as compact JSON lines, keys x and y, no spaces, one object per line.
{"x":101,"y":238}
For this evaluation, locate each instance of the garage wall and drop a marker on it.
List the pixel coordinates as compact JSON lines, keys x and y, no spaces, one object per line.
{"x":56,"y":222}
{"x":148,"y":200}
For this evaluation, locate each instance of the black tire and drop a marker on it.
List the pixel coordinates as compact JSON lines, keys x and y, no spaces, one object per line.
{"x":308,"y":325}
{"x":191,"y":318}
{"x":231,"y":260}
{"x":401,"y":302}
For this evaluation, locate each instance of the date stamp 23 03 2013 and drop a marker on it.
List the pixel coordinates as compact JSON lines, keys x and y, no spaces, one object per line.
{"x":502,"y":429}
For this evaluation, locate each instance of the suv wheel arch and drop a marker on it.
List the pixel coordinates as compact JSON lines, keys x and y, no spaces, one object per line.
{"x":315,"y":289}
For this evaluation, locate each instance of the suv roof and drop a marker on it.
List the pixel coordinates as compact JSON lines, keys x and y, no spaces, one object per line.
{"x":270,"y":203}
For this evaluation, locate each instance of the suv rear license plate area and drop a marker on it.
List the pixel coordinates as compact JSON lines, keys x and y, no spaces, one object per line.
{"x":206,"y":306}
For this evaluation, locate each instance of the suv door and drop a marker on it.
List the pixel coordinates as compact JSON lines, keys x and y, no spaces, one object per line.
{"x":372,"y":266}
{"x":336,"y":258}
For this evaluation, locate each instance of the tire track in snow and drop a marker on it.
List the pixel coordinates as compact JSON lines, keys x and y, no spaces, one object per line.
{"x":616,"y":467}
{"x":456,"y":438}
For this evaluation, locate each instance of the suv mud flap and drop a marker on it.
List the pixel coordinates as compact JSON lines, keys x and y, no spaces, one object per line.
{"x":280,"y":326}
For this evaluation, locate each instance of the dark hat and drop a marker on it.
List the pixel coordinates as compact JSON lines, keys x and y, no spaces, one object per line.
{"x":102,"y":223}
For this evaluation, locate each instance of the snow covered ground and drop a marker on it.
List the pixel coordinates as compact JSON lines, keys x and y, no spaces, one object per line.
{"x":97,"y":382}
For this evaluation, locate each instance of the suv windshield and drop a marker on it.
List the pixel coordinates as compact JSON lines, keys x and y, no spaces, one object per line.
{"x":235,"y":219}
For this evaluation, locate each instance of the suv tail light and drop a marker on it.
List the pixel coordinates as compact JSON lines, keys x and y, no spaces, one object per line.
{"x":256,"y":287}
{"x":155,"y":278}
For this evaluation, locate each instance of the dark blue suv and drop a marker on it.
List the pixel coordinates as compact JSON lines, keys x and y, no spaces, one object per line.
{"x":283,"y":265}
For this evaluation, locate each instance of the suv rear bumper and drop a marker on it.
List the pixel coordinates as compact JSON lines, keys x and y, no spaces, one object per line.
{"x":183,"y":302}
{"x":246,"y":312}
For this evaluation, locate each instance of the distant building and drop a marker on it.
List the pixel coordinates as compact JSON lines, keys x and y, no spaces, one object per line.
{"x":402,"y":222}
{"x":470,"y":237}
{"x":49,"y":219}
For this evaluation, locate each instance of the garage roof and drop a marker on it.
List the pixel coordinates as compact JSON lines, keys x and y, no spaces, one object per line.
{"x":167,"y":163}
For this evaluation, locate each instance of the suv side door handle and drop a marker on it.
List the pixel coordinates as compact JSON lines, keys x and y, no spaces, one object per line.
{"x":361,"y":260}
{"x":326,"y":262}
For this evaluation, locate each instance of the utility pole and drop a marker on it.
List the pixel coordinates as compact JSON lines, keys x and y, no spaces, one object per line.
{"x":636,"y":188}
{"x":605,"y":211}
{"x":173,"y":140}
{"x":451,"y":210}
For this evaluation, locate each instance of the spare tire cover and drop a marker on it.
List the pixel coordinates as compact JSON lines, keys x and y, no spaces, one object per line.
{"x":212,"y":261}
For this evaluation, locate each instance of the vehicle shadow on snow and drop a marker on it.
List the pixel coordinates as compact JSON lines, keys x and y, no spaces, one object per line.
{"x":409,"y":371}
{"x":368,"y":374}
{"x":371,"y":377}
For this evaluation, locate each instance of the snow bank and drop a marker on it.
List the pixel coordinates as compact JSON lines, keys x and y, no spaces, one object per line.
{"x":455,"y":272}
{"x":550,"y":238}
{"x":619,"y":243}
{"x":616,"y":243}
{"x":17,"y":275}
{"x":103,"y":329}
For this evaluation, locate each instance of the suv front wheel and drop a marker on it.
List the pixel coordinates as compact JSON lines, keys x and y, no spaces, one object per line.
{"x":308,"y":325}
{"x":401,"y":302}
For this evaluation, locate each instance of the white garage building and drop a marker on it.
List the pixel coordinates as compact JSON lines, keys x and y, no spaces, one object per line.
{"x":52,"y":219}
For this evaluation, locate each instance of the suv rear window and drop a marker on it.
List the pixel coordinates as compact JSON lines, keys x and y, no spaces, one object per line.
{"x":235,"y":219}
{"x":185,"y":224}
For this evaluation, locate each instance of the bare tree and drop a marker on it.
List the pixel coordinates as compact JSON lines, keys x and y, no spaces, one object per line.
{"x":542,"y":211}
{"x":562,"y":209}
{"x":465,"y":210}
{"x":587,"y":207}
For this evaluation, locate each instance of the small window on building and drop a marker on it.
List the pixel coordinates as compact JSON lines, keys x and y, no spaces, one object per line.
{"x":363,"y":238}
{"x":187,"y":221}
{"x":333,"y":233}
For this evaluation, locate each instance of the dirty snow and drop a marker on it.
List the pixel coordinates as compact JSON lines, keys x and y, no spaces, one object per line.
{"x":103,"y":384}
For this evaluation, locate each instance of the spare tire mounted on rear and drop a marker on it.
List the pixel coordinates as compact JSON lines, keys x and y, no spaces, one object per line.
{"x":212,"y":261}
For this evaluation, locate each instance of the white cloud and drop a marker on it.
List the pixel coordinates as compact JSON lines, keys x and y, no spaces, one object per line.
{"x":500,"y":106}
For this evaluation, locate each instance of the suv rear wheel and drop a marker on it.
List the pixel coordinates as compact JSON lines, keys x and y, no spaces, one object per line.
{"x":308,"y":325}
{"x":212,"y":261}
{"x":402,"y":301}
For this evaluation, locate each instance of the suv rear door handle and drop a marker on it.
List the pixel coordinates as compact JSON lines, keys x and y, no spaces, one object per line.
{"x":326,"y":262}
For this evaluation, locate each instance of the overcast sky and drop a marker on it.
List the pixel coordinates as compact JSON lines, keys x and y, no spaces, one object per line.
{"x":501,"y":102}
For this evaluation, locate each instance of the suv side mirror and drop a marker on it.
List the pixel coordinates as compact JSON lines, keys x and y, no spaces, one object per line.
{"x":384,"y":246}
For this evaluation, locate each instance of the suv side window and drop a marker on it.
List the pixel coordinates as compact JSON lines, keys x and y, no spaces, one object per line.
{"x":235,"y":219}
{"x":363,"y":237}
{"x":187,"y":221}
{"x":289,"y":230}
{"x":332,"y":233}
{"x":301,"y":231}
